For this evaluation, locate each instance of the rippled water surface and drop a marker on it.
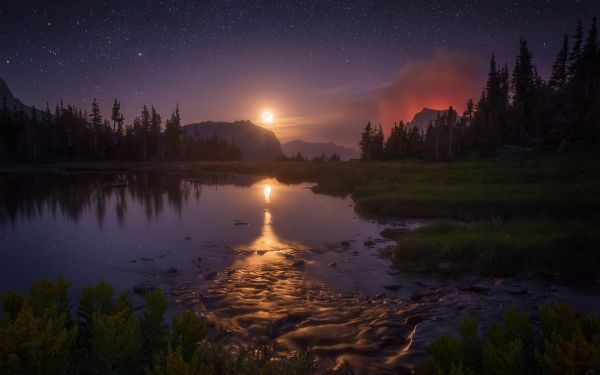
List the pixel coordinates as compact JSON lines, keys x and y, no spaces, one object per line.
{"x":253,"y":255}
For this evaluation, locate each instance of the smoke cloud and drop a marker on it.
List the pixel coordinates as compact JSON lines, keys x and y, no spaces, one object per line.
{"x":445,"y":79}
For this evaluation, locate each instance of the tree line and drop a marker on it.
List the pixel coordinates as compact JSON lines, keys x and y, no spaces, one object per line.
{"x":517,"y":110}
{"x":69,"y":133}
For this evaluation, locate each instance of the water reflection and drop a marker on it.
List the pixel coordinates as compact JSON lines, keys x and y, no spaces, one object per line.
{"x":73,"y":195}
{"x":267,"y":193}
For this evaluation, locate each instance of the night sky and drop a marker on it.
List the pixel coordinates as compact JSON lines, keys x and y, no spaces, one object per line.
{"x":323,"y":67}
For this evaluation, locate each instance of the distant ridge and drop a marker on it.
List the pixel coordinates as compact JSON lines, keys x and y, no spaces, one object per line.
{"x":255,"y":142}
{"x":7,"y":95}
{"x":311,"y":149}
{"x":422,"y":119}
{"x":11,"y":101}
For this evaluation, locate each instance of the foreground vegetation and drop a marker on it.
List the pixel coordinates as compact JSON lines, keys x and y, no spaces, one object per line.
{"x":39,"y":335}
{"x":565,"y":344}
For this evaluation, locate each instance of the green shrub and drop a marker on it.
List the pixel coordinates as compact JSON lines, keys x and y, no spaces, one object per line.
{"x":187,"y":333}
{"x":39,"y":336}
{"x":35,"y":334}
{"x":569,"y":344}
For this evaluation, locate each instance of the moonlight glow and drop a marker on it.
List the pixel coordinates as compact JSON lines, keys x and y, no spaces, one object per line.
{"x":267,"y":116}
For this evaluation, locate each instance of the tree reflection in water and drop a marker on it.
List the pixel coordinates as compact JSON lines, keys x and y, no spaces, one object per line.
{"x":72,"y":195}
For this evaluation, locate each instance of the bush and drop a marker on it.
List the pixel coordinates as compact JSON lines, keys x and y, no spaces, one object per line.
{"x":568,"y":344}
{"x":39,"y":336}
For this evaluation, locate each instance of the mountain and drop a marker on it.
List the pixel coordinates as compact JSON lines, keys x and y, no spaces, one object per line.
{"x":12,"y":102}
{"x":255,"y":142}
{"x":6,"y":94}
{"x":423,"y":118}
{"x":310,"y":150}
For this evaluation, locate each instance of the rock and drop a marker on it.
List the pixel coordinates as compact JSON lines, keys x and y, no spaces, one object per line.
{"x":188,"y":238}
{"x":515,"y":290}
{"x":211,"y":276}
{"x":369,"y":243}
{"x":146,"y":259}
{"x":332,"y":264}
{"x":240,"y":223}
{"x":116,"y":184}
{"x":199,"y":259}
{"x":299,"y":263}
{"x":172,"y":271}
{"x":393,"y":287}
{"x":478,"y":288}
{"x":380,"y":240}
{"x":345,"y":244}
{"x":132,"y":261}
{"x":355,"y":253}
{"x":145,"y":287}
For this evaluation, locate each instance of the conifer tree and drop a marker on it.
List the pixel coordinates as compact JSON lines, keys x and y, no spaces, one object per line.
{"x":558,"y":79}
{"x":366,"y":142}
{"x":96,"y":119}
{"x":523,"y":85}
{"x":576,"y":50}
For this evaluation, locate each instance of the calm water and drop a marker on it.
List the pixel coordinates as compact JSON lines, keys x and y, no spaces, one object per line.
{"x":253,"y":256}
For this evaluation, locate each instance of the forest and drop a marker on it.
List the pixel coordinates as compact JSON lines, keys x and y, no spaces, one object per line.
{"x":517,"y":111}
{"x":71,"y":134}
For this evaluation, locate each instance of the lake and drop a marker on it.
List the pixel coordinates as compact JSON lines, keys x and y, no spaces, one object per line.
{"x":252,"y":255}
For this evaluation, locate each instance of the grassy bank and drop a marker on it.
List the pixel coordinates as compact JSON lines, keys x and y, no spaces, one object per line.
{"x":551,"y":247}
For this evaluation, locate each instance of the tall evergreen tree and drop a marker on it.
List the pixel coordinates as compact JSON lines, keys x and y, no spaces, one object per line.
{"x":173,"y":134}
{"x":378,"y":144}
{"x":145,"y":131}
{"x":116,"y":114}
{"x":523,"y":85}
{"x":576,"y":50}
{"x":155,"y":123}
{"x":96,"y":119}
{"x":366,"y":142}
{"x":558,"y":79}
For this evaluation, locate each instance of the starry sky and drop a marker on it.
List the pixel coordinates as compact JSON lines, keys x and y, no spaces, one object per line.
{"x":322,"y":67}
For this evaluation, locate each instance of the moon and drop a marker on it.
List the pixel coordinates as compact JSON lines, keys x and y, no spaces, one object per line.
{"x":267,"y":116}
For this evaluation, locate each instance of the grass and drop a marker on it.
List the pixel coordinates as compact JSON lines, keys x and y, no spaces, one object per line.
{"x":569,"y":248}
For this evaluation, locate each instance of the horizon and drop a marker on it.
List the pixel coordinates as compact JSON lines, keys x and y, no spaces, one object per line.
{"x":323,"y":70}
